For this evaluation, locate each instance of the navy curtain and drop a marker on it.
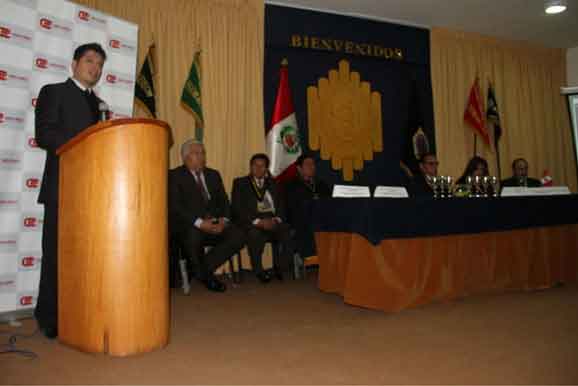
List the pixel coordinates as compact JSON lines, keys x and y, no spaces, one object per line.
{"x":394,"y":79}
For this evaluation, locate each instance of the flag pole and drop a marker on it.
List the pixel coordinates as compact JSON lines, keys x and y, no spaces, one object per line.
{"x":498,"y":162}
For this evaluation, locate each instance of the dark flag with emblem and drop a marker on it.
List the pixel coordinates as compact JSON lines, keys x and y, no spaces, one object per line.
{"x":493,"y":120}
{"x":144,"y":89}
{"x":191,"y":96}
{"x":492,"y":115}
{"x":415,"y":142}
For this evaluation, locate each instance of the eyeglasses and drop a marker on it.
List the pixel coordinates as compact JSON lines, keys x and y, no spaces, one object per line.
{"x":436,"y":163}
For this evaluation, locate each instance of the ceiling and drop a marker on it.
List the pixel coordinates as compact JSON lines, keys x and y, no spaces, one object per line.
{"x":511,"y":19}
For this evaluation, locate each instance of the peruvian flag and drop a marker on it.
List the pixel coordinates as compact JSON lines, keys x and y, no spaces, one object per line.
{"x":282,"y":138}
{"x":474,"y":115}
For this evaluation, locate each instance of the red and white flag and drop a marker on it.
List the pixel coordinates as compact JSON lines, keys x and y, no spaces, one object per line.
{"x":474,"y":114}
{"x":547,"y":179}
{"x":282,"y":138}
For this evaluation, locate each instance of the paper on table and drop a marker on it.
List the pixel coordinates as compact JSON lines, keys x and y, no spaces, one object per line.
{"x":350,"y":191}
{"x":544,"y":191}
{"x":390,"y":192}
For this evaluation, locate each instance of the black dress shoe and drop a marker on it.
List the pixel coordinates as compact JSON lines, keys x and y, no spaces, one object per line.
{"x":264,"y":277}
{"x":49,"y":332}
{"x":278,"y":275}
{"x":213,"y":284}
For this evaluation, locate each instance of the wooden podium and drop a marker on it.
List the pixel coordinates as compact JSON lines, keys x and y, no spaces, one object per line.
{"x":113,"y":294}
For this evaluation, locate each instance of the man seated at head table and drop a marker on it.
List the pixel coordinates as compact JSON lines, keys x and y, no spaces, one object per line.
{"x":260,"y":211}
{"x":299,"y":193}
{"x":520,"y":175}
{"x":421,"y":184}
{"x":199,"y":214}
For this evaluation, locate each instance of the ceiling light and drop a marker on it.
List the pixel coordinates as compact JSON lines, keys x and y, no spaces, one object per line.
{"x":554,"y":6}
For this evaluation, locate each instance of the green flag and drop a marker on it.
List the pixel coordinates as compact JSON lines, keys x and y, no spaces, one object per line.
{"x":144,"y":88}
{"x":191,"y":96}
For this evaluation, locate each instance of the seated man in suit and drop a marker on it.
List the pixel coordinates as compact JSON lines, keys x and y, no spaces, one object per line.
{"x":199,"y":214}
{"x":520,"y":177}
{"x":259,"y":210}
{"x":299,"y":194}
{"x":422,"y":182}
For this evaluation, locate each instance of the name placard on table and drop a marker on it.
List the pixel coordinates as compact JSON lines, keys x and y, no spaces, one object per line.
{"x":351,"y":191}
{"x":519,"y":191}
{"x":390,"y":192}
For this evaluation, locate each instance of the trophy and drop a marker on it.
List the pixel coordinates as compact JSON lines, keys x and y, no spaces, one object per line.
{"x":477,"y":186}
{"x":442,"y":182}
{"x":435,"y":182}
{"x":449,"y":186}
{"x":495,"y":186}
{"x":469,"y":183}
{"x":485,"y":185}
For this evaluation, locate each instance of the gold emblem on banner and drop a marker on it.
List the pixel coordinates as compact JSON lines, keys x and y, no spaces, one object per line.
{"x":344,"y":120}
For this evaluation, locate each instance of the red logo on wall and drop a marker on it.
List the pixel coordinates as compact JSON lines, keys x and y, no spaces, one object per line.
{"x":30,"y":222}
{"x":2,"y":117}
{"x":26,"y":300}
{"x":111,"y":78}
{"x":45,"y":23}
{"x":5,"y":32}
{"x":3,"y":75}
{"x":28,"y":261}
{"x":114,"y":43}
{"x":41,"y":63}
{"x":83,"y":15}
{"x":32,"y":142}
{"x":32,"y":183}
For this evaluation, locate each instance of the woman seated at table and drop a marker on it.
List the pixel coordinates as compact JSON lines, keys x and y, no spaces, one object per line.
{"x":477,"y":166}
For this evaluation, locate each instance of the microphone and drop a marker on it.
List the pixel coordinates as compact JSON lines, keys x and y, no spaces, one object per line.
{"x":103,"y":111}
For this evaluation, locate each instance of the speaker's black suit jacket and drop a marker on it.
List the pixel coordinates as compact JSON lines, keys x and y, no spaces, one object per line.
{"x":62,"y":112}
{"x":186,"y":202}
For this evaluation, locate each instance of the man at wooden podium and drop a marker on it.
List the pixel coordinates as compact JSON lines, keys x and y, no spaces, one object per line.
{"x":63,"y":110}
{"x":199,"y":214}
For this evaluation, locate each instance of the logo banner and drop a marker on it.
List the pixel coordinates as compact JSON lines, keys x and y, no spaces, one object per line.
{"x":37,"y":41}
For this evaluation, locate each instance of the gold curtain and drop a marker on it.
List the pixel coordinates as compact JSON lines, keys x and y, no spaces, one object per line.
{"x":230,"y":35}
{"x":527,"y":81}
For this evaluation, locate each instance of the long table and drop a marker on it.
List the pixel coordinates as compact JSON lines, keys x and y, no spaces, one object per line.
{"x":391,"y":254}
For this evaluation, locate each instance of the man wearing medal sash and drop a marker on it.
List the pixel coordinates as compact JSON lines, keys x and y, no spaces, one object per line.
{"x":300,"y":192}
{"x":260,"y":211}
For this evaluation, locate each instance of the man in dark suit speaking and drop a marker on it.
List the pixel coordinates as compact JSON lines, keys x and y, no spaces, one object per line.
{"x":199,"y":214}
{"x":63,"y":110}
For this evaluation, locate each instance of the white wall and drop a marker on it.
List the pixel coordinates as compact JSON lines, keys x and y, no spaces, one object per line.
{"x":572,"y":66}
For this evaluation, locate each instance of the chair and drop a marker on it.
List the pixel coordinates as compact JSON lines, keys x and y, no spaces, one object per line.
{"x":177,"y":253}
{"x":300,"y":265}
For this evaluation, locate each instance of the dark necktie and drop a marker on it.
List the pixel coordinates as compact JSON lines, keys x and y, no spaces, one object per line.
{"x":204,"y":192}
{"x":92,"y":102}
